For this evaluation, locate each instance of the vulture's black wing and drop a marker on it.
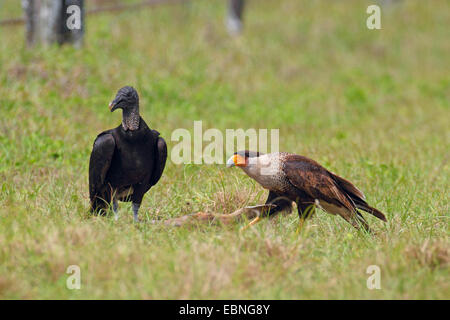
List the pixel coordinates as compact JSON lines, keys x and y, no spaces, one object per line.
{"x":160,"y":159}
{"x":101,"y":156}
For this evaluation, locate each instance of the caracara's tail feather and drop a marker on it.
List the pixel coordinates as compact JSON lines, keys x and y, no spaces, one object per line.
{"x":377,"y":213}
{"x":357,"y":197}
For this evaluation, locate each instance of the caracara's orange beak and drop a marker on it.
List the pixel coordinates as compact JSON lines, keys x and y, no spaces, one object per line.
{"x":236,"y":160}
{"x":110,"y":105}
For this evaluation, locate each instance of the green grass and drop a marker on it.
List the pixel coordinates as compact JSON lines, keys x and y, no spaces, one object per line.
{"x":372,"y":106}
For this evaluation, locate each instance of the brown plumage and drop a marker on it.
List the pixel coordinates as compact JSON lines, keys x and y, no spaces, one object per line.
{"x":290,"y":177}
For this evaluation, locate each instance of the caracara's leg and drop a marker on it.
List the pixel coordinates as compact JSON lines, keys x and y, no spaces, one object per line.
{"x":281,"y":203}
{"x":362,"y":221}
{"x":305,"y":211}
{"x":356,"y":220}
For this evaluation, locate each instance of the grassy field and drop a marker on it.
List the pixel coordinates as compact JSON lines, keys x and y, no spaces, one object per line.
{"x":370,"y":105}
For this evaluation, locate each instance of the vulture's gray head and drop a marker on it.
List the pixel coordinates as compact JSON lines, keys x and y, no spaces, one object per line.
{"x":126,"y":99}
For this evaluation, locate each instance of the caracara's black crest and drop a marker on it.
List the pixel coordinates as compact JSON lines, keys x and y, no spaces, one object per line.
{"x":249,"y":154}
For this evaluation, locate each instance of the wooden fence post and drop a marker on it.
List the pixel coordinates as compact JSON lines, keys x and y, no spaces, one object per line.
{"x":54,"y":21}
{"x":234,"y":18}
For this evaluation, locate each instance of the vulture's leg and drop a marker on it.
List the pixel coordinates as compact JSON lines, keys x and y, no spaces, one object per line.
{"x":115,"y":209}
{"x":135,"y":207}
{"x":281,"y":203}
{"x":136,"y":198}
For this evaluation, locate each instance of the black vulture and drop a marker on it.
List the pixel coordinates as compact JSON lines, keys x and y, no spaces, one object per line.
{"x":294,"y":178}
{"x":125,"y":161}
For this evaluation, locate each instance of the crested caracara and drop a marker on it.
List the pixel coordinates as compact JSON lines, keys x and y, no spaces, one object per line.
{"x":125,"y":161}
{"x":290,"y":177}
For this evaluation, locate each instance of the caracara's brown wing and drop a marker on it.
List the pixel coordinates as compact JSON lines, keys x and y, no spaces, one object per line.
{"x":335,"y":194}
{"x":316,"y":182}
{"x":348,"y":187}
{"x":356,"y":196}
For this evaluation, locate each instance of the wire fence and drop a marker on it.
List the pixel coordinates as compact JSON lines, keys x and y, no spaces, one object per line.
{"x":101,"y":9}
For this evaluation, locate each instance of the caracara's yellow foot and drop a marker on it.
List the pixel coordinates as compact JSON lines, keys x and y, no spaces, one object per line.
{"x":254,"y":221}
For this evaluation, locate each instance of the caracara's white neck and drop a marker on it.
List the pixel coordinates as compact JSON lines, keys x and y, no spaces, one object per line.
{"x":265,"y":169}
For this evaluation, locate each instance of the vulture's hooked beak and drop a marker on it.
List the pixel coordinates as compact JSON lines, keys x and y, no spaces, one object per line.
{"x":236,"y":160}
{"x":112,"y":105}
